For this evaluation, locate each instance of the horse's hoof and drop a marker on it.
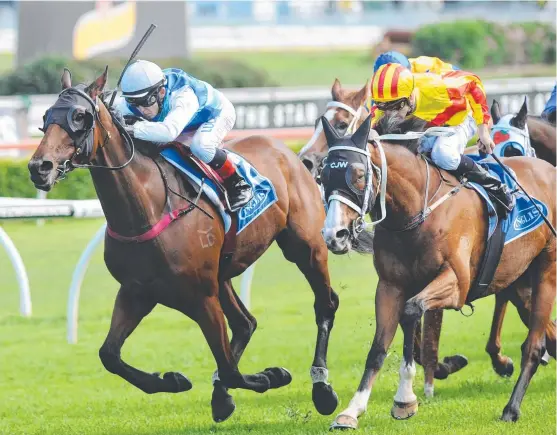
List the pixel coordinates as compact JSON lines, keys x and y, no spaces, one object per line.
{"x":324,"y":398}
{"x":344,"y":422}
{"x":177,"y":382}
{"x":505,"y":369}
{"x":455,"y":362}
{"x":450,"y":365}
{"x":222,"y":405}
{"x":510,"y":415}
{"x":278,"y":376}
{"x":403,"y":411}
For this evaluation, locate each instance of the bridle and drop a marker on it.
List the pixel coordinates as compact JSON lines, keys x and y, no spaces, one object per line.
{"x":331,"y":107}
{"x":81,"y":150}
{"x":359,"y":224}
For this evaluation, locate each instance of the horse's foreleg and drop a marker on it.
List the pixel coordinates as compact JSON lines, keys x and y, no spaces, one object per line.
{"x":243,"y":325}
{"x":543,"y":298}
{"x":389,"y":303}
{"x":131,"y":306}
{"x":210,"y":317}
{"x":310,"y":255}
{"x":502,"y":364}
{"x":440,"y":293}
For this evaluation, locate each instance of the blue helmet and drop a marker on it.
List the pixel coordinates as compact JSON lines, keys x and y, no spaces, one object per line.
{"x":391,"y":57}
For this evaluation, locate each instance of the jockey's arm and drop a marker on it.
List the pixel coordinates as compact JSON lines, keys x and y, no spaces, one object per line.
{"x":475,"y":94}
{"x":182,"y":111}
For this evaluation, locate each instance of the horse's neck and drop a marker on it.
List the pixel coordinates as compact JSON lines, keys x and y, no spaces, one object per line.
{"x":129,"y":195}
{"x":406,"y":184}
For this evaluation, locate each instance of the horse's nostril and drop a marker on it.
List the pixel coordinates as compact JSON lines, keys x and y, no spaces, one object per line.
{"x":308,"y":164}
{"x":342,"y":234}
{"x":46,"y":166}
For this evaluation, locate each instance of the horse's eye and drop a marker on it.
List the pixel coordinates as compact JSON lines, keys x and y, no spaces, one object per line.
{"x":342,"y":126}
{"x":79,"y":116}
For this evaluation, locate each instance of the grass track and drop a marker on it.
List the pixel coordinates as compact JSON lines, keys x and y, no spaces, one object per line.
{"x":50,"y":387}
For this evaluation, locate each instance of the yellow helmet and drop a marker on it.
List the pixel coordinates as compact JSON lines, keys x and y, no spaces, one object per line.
{"x":391,"y":82}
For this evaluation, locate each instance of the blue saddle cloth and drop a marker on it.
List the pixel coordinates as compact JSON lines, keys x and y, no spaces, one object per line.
{"x":264,"y":194}
{"x":524,"y":218}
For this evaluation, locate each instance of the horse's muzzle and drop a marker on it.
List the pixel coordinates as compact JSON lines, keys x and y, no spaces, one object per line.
{"x":43,"y":173}
{"x":337,"y":239}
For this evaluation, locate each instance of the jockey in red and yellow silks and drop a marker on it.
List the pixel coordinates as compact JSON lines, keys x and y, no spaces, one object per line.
{"x":441,"y":100}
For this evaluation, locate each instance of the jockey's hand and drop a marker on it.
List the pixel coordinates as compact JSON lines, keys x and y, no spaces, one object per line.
{"x":485,"y":142}
{"x":129,"y":129}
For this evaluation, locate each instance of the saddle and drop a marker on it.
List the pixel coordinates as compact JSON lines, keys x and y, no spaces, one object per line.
{"x":181,"y":145}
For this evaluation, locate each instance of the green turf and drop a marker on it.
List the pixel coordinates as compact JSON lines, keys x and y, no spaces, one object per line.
{"x":351,"y":67}
{"x":50,"y":387}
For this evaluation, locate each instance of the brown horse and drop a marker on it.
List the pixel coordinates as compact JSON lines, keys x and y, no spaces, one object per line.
{"x":430,"y":261}
{"x":182,"y":266}
{"x":347,"y":112}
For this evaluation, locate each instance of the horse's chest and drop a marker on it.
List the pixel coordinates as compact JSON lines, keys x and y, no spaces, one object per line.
{"x":406,"y":264}
{"x":140,"y":263}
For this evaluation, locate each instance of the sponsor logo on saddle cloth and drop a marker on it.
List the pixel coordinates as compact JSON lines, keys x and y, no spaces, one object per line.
{"x":264,"y":194}
{"x":524,"y":218}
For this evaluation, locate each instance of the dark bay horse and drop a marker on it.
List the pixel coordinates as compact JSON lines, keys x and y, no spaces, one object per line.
{"x":431,"y":265}
{"x":181,"y":267}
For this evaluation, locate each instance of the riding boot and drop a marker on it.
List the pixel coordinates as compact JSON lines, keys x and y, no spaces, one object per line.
{"x":239,"y":192}
{"x":477,"y":174}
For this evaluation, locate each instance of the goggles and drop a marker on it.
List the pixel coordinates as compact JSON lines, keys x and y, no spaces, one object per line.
{"x":144,"y":101}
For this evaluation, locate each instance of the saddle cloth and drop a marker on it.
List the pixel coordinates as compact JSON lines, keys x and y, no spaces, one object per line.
{"x":524,"y":218}
{"x":264,"y":194}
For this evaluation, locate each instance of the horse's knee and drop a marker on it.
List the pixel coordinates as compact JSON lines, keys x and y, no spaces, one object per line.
{"x":413,"y":311}
{"x":110,"y":360}
{"x":325,"y":312}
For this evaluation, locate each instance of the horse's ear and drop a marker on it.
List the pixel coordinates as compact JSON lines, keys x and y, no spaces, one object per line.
{"x":362,"y":96}
{"x":330,"y":133}
{"x":97,"y":86}
{"x":336,"y":91}
{"x":66,"y":79}
{"x":520,"y":117}
{"x":362,"y":133}
{"x":495,"y":111}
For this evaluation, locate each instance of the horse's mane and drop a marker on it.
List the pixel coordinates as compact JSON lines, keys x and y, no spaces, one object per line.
{"x":394,"y":124}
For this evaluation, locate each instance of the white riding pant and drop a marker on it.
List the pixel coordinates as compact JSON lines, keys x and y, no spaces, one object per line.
{"x":446,"y":151}
{"x":210,"y":135}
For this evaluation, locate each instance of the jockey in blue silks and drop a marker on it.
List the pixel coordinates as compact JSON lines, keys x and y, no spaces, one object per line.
{"x":170,"y":103}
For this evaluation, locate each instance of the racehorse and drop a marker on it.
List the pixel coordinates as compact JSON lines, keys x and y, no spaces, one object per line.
{"x":182,"y":267}
{"x":428,"y":255}
{"x":514,"y":133}
{"x":346,"y":112}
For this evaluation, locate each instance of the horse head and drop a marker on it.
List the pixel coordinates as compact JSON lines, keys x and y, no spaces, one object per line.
{"x":345,"y":113}
{"x":74,"y":131}
{"x":510,"y":132}
{"x":350,"y":187}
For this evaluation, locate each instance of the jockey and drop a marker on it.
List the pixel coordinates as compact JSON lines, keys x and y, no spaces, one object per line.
{"x":422,"y":64}
{"x":442,"y":100}
{"x":549,"y":112}
{"x":170,"y":103}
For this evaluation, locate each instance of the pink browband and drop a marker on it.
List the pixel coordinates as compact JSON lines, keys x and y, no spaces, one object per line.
{"x":155,"y":230}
